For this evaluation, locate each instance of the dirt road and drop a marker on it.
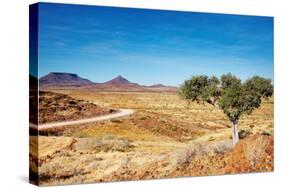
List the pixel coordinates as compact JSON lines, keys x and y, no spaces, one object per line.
{"x":120,"y":113}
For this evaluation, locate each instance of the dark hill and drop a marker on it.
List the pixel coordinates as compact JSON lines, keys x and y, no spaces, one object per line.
{"x":118,"y":84}
{"x":58,"y":79}
{"x":118,"y":80}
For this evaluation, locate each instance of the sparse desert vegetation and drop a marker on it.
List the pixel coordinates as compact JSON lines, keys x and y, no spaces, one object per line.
{"x":165,"y":137}
{"x":134,"y":94}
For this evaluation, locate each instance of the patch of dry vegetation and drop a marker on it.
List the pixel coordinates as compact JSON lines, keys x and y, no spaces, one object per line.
{"x":200,"y":150}
{"x":91,"y":159}
{"x":209,"y":160}
{"x":165,"y":114}
{"x":166,"y":137}
{"x":107,"y":143}
{"x":253,"y":154}
{"x":109,"y":158}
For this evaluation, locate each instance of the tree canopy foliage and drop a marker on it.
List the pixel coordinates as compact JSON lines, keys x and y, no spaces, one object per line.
{"x":229,"y":93}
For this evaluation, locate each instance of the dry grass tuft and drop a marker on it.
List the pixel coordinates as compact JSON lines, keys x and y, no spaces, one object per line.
{"x":107,"y":143}
{"x":252,"y":154}
{"x":199,"y":150}
{"x":255,"y":150}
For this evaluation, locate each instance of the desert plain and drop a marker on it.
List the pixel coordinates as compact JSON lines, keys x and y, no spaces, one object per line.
{"x":165,"y":137}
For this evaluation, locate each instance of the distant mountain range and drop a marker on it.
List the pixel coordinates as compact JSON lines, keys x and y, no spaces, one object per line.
{"x":56,"y":80}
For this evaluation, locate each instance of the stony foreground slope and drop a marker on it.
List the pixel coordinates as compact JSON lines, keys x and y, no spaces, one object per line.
{"x":65,"y":160}
{"x":59,"y":107}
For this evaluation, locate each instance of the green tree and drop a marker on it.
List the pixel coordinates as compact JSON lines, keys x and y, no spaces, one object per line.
{"x":194,"y":89}
{"x":229,"y":81}
{"x":212,"y":92}
{"x":232,"y":96}
{"x":261,"y":86}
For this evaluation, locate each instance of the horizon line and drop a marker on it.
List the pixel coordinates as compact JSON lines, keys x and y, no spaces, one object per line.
{"x":156,"y":83}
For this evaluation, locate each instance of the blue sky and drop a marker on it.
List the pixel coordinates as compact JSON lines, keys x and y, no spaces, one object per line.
{"x":152,"y":46}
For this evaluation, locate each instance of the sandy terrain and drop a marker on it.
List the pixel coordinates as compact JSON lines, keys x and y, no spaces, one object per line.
{"x":165,"y":137}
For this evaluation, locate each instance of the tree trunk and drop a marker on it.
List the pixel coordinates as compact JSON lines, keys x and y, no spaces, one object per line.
{"x":235,"y":135}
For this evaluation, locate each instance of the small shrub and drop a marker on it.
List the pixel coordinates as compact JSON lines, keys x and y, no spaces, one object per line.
{"x":244,"y":133}
{"x":194,"y":151}
{"x":255,"y":150}
{"x":266,"y":133}
{"x":187,"y":155}
{"x":72,"y":102}
{"x":173,"y":128}
{"x":107,"y":143}
{"x":222,"y":147}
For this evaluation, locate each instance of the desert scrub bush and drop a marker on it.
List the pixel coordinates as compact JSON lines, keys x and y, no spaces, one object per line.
{"x":197,"y":150}
{"x":185,"y":156}
{"x":106,"y":144}
{"x":268,"y":132}
{"x":244,"y":133}
{"x":255,"y":150}
{"x":174,"y":128}
{"x":222,"y":146}
{"x":63,"y":168}
{"x":252,"y":126}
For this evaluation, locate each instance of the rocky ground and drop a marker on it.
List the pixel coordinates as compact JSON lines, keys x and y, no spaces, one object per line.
{"x":60,"y":107}
{"x":65,"y":160}
{"x":166,"y":137}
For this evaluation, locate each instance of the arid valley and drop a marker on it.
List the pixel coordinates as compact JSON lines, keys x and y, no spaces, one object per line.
{"x":165,"y":137}
{"x":120,"y":94}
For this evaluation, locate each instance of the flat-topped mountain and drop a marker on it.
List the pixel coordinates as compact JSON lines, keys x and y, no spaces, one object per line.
{"x":58,"y":79}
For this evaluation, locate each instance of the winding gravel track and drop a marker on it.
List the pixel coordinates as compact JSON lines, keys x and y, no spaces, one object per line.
{"x":120,"y":113}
